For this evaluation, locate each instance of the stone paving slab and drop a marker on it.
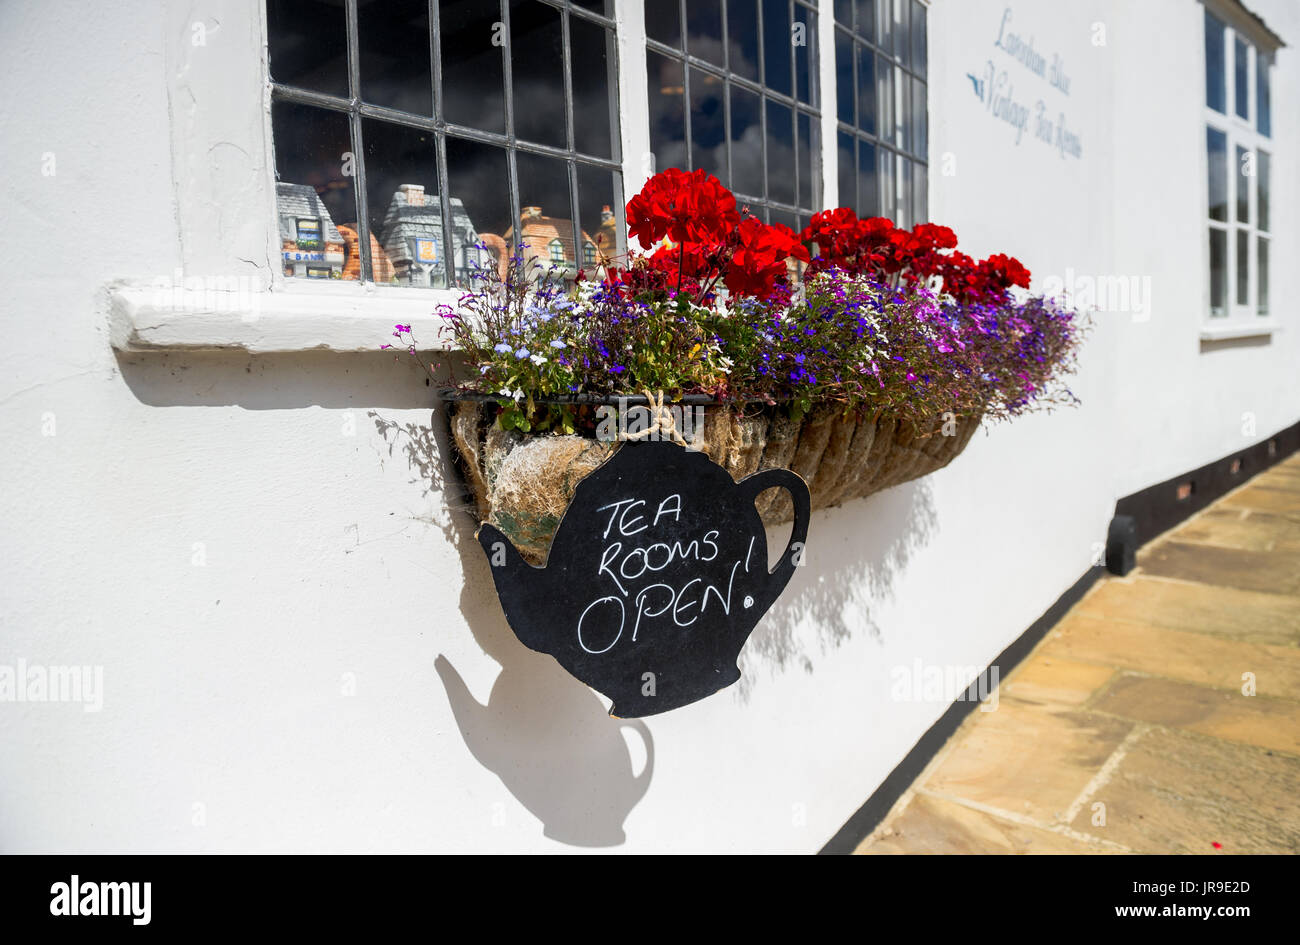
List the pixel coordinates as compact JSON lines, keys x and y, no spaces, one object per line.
{"x":932,"y":824}
{"x":1251,"y":616}
{"x":1056,"y":683}
{"x":1191,"y":657}
{"x":1271,"y":498}
{"x":1257,"y":720}
{"x":1231,"y":567}
{"x":1180,"y":793}
{"x":1244,"y":529}
{"x":1281,"y":480}
{"x":1131,"y":727}
{"x":1027,"y":761}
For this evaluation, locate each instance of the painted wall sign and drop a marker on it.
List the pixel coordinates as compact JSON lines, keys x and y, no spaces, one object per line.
{"x":655,"y":579}
{"x":995,"y":87}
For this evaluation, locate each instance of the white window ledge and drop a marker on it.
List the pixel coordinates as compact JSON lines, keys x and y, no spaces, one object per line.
{"x":299,"y":318}
{"x":1265,"y":326}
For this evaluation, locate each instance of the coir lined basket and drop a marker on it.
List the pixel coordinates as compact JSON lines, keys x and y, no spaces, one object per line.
{"x":523,"y":483}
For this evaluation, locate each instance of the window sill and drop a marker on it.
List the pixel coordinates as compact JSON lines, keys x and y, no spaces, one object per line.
{"x":343,"y":318}
{"x":1228,"y":330}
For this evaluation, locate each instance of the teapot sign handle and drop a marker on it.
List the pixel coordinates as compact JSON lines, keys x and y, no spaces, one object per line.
{"x":792,"y":483}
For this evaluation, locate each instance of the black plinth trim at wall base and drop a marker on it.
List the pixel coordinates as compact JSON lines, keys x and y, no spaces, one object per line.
{"x":1158,"y":508}
{"x":870,"y":814}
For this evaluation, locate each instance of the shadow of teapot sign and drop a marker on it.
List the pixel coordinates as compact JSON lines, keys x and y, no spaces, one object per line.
{"x":655,"y":579}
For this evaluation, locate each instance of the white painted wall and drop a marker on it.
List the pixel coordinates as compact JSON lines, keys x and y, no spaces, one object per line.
{"x":230,"y":537}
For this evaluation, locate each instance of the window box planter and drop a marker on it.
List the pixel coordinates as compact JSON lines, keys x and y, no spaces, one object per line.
{"x":849,"y":368}
{"x":523,"y":483}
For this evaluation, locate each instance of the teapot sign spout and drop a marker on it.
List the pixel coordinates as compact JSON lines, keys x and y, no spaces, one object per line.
{"x":655,"y":579}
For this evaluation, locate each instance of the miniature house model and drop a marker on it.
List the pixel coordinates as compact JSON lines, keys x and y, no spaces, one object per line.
{"x":379,"y":264}
{"x":310,"y":243}
{"x":413,"y":238}
{"x":548,"y":241}
{"x":408,"y":246}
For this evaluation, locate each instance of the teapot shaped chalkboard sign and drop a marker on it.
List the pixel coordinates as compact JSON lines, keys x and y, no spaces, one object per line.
{"x":655,"y":579}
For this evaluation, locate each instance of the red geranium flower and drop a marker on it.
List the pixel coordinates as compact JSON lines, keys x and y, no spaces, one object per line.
{"x":686,"y":207}
{"x":934,"y":236}
{"x":857,"y":246}
{"x":1006,"y":271}
{"x":689,"y":262}
{"x":758,"y":263}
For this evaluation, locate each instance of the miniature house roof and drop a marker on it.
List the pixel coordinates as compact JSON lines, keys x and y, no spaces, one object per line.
{"x":539,"y":230}
{"x":414,"y":214}
{"x":296,"y":202}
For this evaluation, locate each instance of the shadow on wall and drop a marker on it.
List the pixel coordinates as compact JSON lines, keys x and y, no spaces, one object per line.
{"x":274,"y":381}
{"x":544,"y":734}
{"x":547,"y":736}
{"x":855,"y":554}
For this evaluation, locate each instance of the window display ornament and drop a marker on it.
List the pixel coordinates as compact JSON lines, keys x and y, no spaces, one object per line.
{"x":656,"y":577}
{"x":549,"y":241}
{"x":309,"y":240}
{"x":413,"y":236}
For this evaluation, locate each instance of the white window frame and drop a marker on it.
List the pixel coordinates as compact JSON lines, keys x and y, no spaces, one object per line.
{"x":1239,"y":320}
{"x":229,"y":290}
